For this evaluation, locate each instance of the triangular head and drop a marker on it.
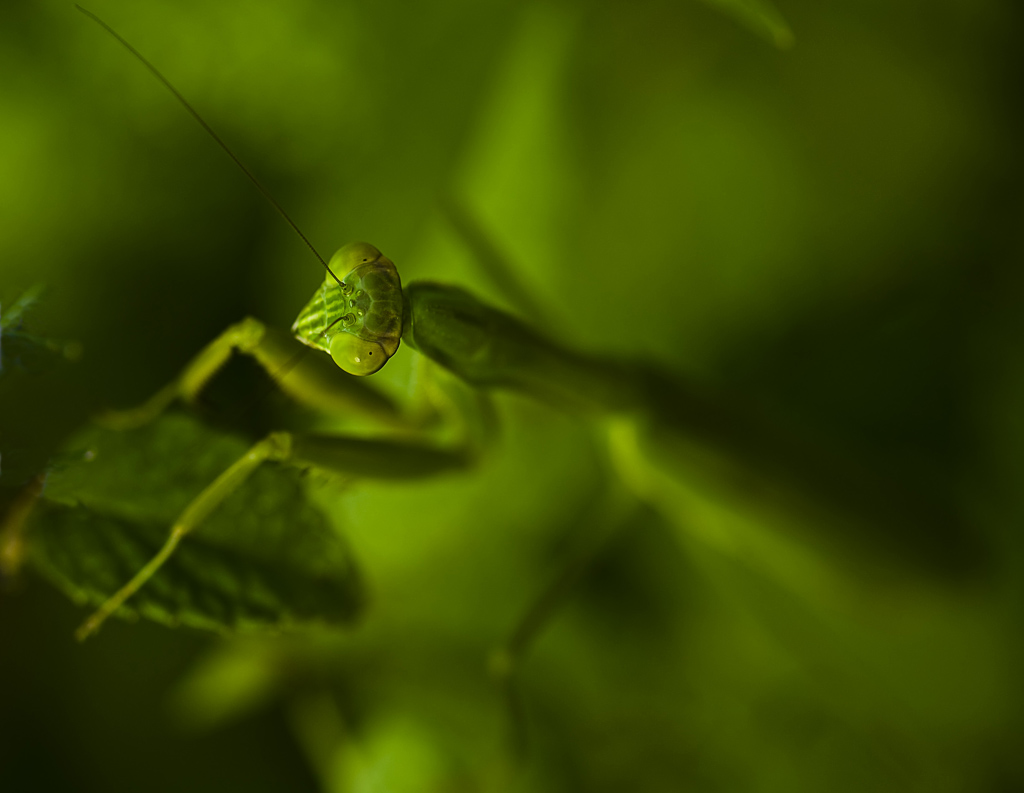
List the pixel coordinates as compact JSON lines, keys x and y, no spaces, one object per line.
{"x":359,"y":321}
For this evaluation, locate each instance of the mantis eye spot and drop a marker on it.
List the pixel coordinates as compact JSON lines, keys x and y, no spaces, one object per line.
{"x":357,"y":356}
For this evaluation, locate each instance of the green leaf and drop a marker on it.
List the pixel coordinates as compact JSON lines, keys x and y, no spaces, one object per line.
{"x":761,"y":17}
{"x":264,"y":558}
{"x":13,"y":314}
{"x":28,"y":350}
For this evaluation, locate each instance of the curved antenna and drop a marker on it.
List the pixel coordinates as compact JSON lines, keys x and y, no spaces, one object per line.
{"x":184,"y":102}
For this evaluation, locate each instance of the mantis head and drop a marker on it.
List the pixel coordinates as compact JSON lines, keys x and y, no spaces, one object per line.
{"x":359,"y":321}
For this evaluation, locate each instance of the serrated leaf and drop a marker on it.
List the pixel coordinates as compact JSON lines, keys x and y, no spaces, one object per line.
{"x":759,"y":16}
{"x":264,"y":558}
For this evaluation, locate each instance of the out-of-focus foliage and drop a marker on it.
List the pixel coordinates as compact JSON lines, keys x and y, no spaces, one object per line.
{"x":760,"y":16}
{"x":26,"y":358}
{"x":829,"y":233}
{"x":13,"y":337}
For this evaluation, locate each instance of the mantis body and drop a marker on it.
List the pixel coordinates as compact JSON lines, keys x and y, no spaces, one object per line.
{"x":357,"y":320}
{"x":359,"y":317}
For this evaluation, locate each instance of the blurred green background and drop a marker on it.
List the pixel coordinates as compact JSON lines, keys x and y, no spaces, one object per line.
{"x":833,"y":231}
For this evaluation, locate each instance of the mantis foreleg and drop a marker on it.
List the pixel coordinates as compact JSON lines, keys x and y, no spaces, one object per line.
{"x":312,"y":380}
{"x":371,"y":458}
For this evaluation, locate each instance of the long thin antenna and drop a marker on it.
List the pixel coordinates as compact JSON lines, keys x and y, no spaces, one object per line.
{"x":184,"y":102}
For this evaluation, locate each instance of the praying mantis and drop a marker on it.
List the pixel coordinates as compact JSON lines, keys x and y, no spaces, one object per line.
{"x":659,"y":426}
{"x":359,"y":317}
{"x":689,"y":631}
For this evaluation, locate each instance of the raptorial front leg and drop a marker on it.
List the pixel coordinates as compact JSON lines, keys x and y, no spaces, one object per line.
{"x":274,"y":446}
{"x":307,"y":375}
{"x":355,"y":457}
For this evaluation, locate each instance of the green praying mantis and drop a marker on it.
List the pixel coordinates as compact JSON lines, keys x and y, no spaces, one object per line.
{"x":661,"y":428}
{"x":359,"y":316}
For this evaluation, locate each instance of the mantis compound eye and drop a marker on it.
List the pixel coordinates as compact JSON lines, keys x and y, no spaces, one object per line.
{"x":357,"y":356}
{"x":352,"y":256}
